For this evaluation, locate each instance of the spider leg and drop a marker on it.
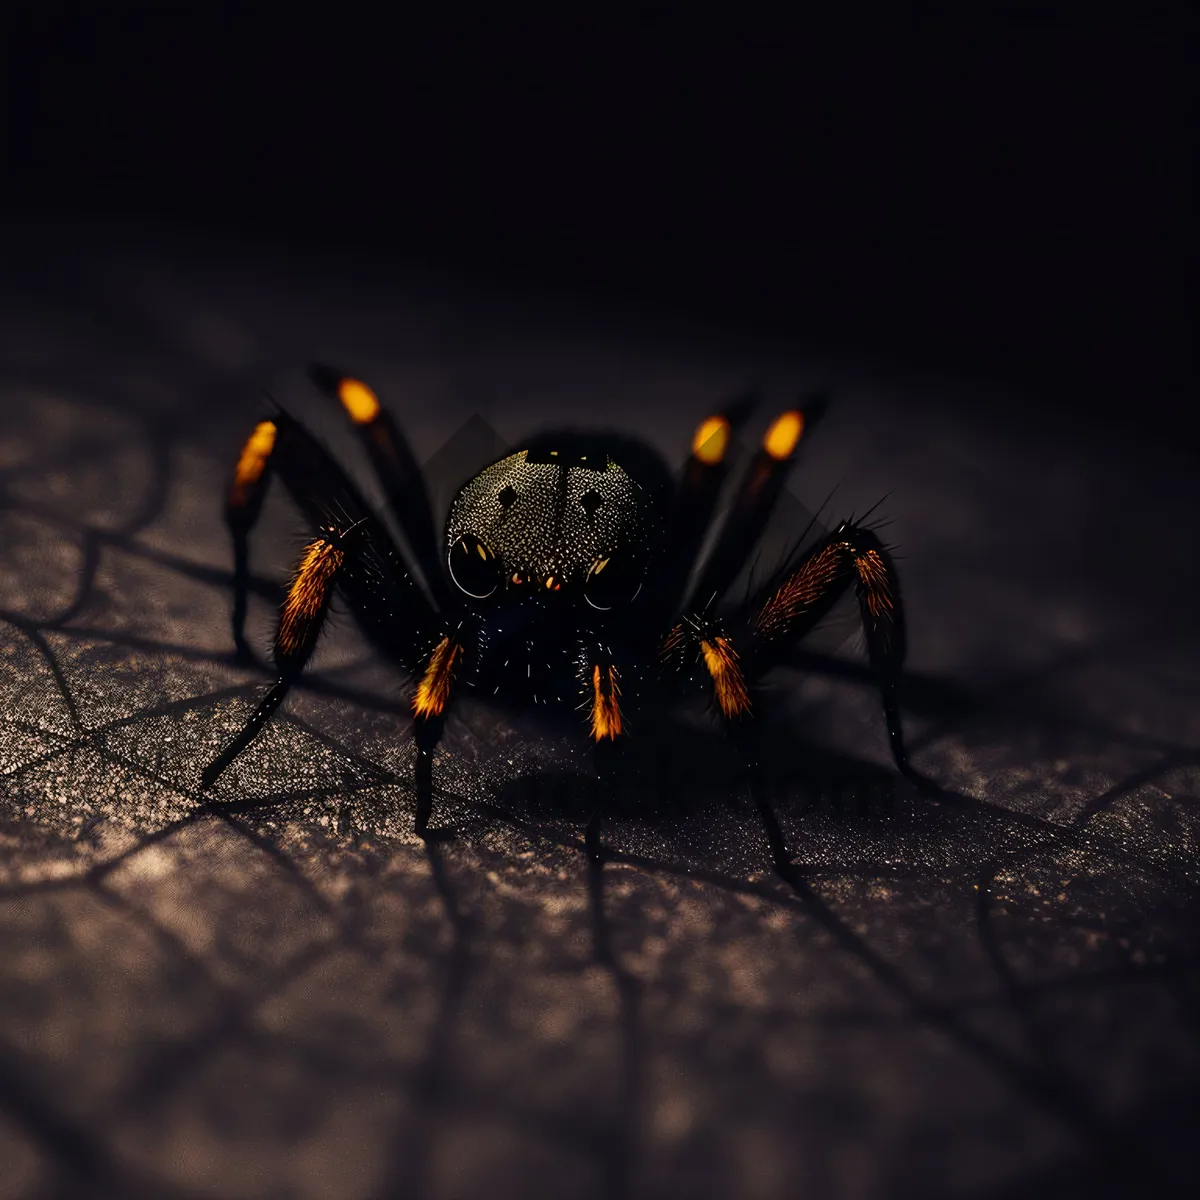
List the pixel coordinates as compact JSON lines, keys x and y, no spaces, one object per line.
{"x":735,"y":653}
{"x":699,"y":639}
{"x":756,"y":497}
{"x":300,"y":622}
{"x":283,"y":448}
{"x":603,"y":770}
{"x":429,"y":705}
{"x":704,"y":475}
{"x":591,"y":834}
{"x":375,"y":581}
{"x":600,"y":681}
{"x":394,"y":464}
{"x":388,"y":605}
{"x":788,"y":608}
{"x":713,"y":646}
{"x":354,"y":554}
{"x":243,"y":504}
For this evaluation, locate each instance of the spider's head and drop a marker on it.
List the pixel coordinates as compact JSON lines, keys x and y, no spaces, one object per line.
{"x":571,"y":516}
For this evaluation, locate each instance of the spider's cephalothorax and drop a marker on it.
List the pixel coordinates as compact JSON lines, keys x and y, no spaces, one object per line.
{"x":551,"y":513}
{"x":549,"y":549}
{"x":568,"y":576}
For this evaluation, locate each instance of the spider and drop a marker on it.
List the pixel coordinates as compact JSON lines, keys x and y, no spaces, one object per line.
{"x":569,"y":576}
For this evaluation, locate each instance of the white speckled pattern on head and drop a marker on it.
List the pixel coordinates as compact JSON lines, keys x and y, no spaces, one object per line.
{"x":547,"y":528}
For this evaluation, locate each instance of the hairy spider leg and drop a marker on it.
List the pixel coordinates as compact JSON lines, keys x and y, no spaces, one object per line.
{"x":300,"y":622}
{"x":601,"y":683}
{"x":394,"y":464}
{"x":788,"y":608}
{"x":382,"y":595}
{"x":355,"y":554}
{"x":699,"y":639}
{"x":700,"y":635}
{"x":429,"y":703}
{"x":784,"y":610}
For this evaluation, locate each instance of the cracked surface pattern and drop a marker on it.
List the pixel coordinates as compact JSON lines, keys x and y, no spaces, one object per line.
{"x":277,"y":990}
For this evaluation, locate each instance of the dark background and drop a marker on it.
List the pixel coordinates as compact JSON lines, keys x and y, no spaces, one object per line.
{"x":1007,"y":197}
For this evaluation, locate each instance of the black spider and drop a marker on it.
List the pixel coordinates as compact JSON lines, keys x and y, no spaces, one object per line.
{"x":569,"y":576}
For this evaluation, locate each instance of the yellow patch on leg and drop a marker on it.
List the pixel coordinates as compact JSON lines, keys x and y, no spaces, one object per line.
{"x":251,"y":463}
{"x":307,"y":595}
{"x":729,"y":685}
{"x":780,"y":440}
{"x":606,"y":703}
{"x":874,"y":576}
{"x":433,"y":692}
{"x":360,"y":403}
{"x":710,"y":441}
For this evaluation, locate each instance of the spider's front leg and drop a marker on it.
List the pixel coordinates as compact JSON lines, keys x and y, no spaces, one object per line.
{"x":301,"y":620}
{"x":280,"y":442}
{"x":354,"y":554}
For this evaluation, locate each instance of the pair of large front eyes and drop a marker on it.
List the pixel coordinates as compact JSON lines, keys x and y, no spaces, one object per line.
{"x":476,"y":572}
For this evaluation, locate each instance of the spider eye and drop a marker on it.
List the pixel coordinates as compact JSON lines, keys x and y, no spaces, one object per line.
{"x":473,"y":567}
{"x":614,"y":580}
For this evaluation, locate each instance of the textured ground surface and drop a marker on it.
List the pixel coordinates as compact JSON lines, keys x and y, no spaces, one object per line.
{"x":279,"y":991}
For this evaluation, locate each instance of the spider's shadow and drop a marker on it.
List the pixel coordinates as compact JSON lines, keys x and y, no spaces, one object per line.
{"x":683,"y":769}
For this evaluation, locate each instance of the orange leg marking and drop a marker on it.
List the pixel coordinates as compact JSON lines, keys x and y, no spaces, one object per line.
{"x":606,"y":707}
{"x":874,"y":576}
{"x":307,"y":596}
{"x":434,"y":689}
{"x":251,"y":463}
{"x":801,"y":590}
{"x":729,"y":685}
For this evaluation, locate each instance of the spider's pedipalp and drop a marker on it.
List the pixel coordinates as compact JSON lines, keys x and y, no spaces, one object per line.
{"x":699,"y":641}
{"x":606,"y":703}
